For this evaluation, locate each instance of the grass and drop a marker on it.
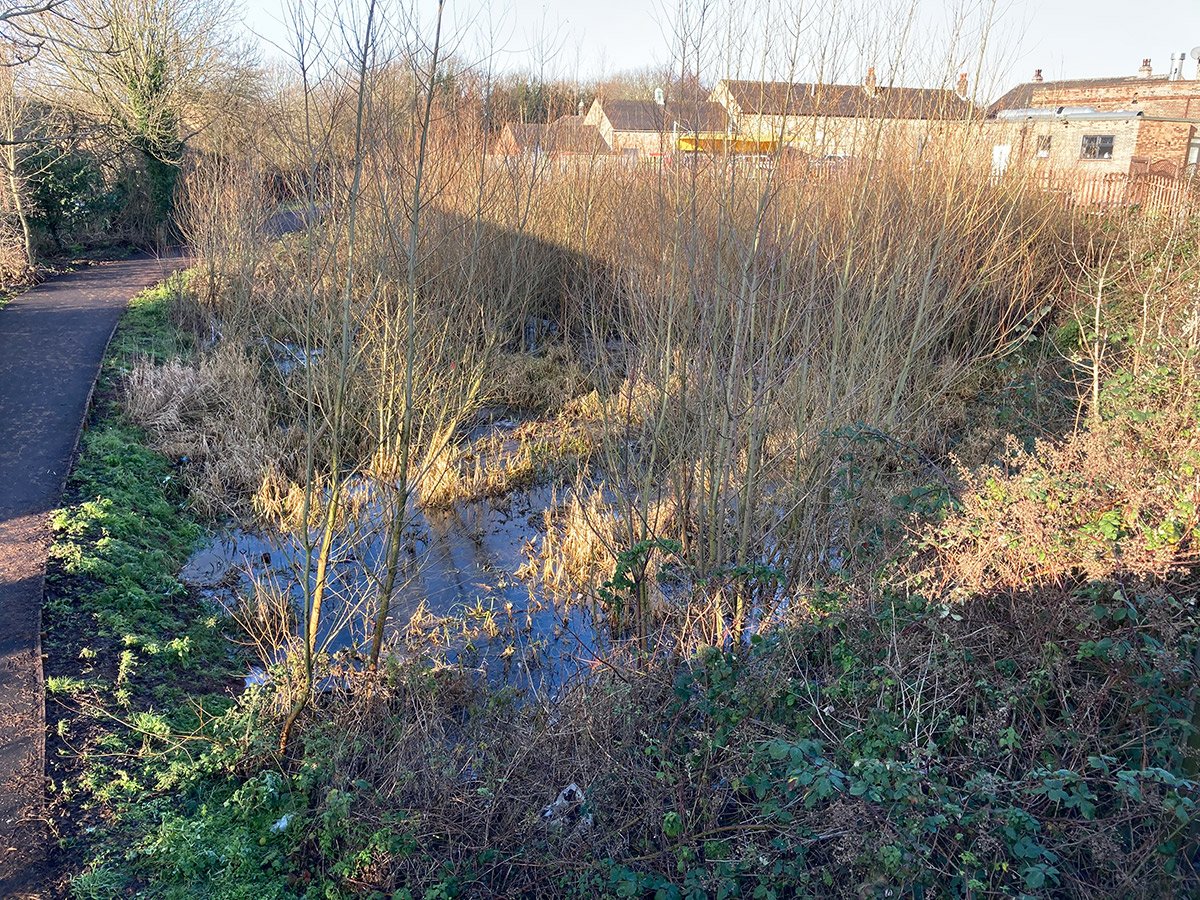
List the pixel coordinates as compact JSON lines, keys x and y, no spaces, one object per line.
{"x":133,"y":660}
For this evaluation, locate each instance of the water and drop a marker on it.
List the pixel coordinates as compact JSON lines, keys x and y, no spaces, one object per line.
{"x":458,"y":599}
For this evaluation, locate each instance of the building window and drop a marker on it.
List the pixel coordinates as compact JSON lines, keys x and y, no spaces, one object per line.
{"x":1097,"y":146}
{"x":1043,"y":146}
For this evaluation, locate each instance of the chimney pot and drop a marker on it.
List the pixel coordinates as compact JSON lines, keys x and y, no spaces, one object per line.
{"x":1037,"y":76}
{"x":962,"y":86}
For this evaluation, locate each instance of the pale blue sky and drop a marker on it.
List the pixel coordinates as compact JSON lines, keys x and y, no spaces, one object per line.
{"x":1065,"y":38}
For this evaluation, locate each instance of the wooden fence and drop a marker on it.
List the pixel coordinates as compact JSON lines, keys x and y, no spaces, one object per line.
{"x":1157,"y":195}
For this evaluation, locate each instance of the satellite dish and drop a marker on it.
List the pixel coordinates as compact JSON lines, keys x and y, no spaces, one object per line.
{"x":1195,"y":54}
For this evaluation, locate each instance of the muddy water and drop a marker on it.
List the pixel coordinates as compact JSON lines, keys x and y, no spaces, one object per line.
{"x":460,"y":600}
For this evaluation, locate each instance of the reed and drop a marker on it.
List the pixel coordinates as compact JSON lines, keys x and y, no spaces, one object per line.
{"x":746,"y":361}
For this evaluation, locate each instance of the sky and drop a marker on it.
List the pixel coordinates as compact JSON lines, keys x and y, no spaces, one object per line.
{"x":592,"y":38}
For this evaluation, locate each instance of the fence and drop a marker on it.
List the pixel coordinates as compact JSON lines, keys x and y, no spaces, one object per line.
{"x":1159,"y":195}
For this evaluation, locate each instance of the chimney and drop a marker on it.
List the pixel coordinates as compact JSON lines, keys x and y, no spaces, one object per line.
{"x":870,"y":85}
{"x":1037,"y":76}
{"x":1145,"y":71}
{"x":961,"y":90}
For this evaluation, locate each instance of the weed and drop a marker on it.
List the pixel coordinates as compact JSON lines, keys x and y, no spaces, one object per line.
{"x":119,"y":624}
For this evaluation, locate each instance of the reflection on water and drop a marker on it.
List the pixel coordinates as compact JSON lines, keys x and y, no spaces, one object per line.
{"x":458,"y":599}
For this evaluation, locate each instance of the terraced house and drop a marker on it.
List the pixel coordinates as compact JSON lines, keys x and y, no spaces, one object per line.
{"x":637,"y":128}
{"x":842,"y":120}
{"x":1141,"y":124}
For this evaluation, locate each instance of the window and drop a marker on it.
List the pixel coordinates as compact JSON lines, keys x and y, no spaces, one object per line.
{"x":1043,"y":146}
{"x":1097,"y":146}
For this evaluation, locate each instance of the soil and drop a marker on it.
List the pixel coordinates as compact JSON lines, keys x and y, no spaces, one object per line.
{"x":52,"y":340}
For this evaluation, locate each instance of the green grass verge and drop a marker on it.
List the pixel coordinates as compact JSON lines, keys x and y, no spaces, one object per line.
{"x":135,"y":663}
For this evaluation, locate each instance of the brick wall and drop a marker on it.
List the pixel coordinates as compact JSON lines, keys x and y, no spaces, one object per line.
{"x":1162,"y":147}
{"x":833,"y":136}
{"x":1153,"y":96}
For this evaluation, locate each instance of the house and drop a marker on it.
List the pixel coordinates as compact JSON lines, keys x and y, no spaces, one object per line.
{"x":838,"y":120}
{"x":520,"y":139}
{"x":1128,"y":125}
{"x":565,"y":136}
{"x":762,"y":117}
{"x":572,"y":136}
{"x":641,"y":128}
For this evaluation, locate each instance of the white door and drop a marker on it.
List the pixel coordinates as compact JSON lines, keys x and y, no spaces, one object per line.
{"x":1000,"y":154}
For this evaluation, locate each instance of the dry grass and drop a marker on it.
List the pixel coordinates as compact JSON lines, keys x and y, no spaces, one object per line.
{"x":577,"y":552}
{"x":715,"y":331}
{"x":1119,"y":499}
{"x":213,"y":417}
{"x":712,"y":338}
{"x":502,"y":462}
{"x":542,"y":382}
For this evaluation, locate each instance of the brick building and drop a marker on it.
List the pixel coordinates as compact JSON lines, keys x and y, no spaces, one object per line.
{"x":1133,"y":124}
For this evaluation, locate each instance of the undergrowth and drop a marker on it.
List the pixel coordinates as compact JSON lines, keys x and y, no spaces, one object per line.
{"x":1006,"y":708}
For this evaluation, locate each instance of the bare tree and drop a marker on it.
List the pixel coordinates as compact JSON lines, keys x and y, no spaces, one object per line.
{"x":26,"y":28}
{"x":155,"y":73}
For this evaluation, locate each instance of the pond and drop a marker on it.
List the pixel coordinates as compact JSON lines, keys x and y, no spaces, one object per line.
{"x":459,"y":599}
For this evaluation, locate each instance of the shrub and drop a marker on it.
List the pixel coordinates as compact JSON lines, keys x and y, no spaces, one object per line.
{"x":1119,"y":499}
{"x":69,"y":200}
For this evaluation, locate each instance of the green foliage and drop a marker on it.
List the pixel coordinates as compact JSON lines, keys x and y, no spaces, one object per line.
{"x":68,"y":196}
{"x":624,"y":594}
{"x":100,"y":882}
{"x":123,"y":635}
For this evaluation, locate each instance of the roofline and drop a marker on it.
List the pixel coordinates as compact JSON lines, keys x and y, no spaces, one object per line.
{"x":1063,"y":112}
{"x":836,"y":84}
{"x":1106,"y":79}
